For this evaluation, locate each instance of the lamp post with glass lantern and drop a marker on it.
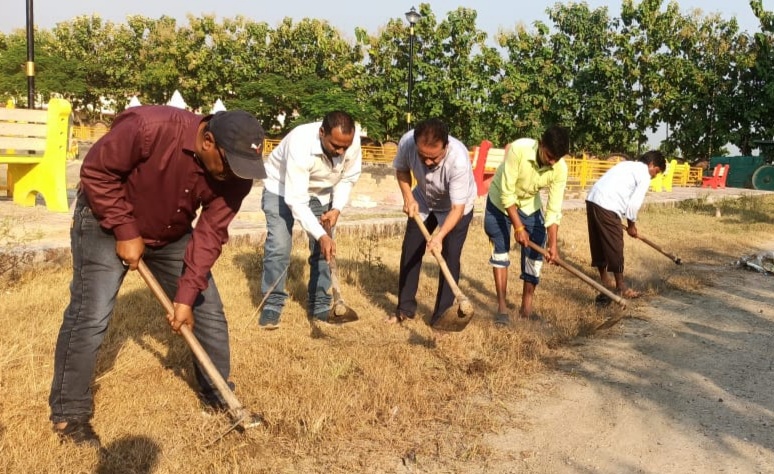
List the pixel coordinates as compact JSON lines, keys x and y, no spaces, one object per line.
{"x":412,"y":16}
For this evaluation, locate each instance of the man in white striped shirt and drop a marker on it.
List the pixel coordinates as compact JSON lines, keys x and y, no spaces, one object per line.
{"x":619,"y":193}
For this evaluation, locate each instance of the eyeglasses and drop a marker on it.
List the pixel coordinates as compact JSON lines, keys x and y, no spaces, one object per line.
{"x":432,"y":160}
{"x":224,"y":163}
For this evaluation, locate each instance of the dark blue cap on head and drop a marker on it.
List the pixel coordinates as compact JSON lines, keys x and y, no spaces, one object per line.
{"x":240,"y":135}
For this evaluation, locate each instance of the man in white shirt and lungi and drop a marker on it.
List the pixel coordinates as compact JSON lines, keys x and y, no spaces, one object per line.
{"x":619,"y":193}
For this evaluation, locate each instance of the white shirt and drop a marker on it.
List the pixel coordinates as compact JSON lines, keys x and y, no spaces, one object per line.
{"x":622,"y":189}
{"x":298,"y":170}
{"x":451,"y":182}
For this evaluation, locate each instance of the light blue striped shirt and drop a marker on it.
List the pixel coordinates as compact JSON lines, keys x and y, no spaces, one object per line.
{"x":451,"y":182}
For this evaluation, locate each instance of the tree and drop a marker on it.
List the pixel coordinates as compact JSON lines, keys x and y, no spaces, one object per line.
{"x":385,"y":74}
{"x":162,"y":56}
{"x":610,"y":80}
{"x":532,"y":81}
{"x":594,"y":97}
{"x":699,"y":68}
{"x":98,"y":55}
{"x":311,"y":48}
{"x":13,"y":56}
{"x":762,"y":74}
{"x":456,"y":73}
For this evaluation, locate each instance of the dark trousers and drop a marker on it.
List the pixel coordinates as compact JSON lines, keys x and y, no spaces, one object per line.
{"x":412,"y":251}
{"x":97,"y":276}
{"x":605,"y":238}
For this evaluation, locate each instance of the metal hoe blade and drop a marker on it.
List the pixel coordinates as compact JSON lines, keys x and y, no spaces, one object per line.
{"x":240,"y":420}
{"x":454,"y":319}
{"x":340,"y":312}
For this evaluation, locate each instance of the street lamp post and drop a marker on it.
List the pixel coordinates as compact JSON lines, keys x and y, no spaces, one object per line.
{"x":412,"y":17}
{"x":30,"y":65}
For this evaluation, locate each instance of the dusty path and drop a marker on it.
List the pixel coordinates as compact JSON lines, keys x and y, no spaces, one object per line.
{"x":684,"y":385}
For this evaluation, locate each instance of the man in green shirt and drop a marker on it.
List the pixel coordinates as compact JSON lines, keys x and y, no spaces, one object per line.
{"x":514,"y":200}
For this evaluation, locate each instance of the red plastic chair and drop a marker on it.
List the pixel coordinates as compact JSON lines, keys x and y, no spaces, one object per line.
{"x":718,"y":178}
{"x":479,"y":165}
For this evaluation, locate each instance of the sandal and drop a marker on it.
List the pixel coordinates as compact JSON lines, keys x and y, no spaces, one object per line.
{"x":396,"y":318}
{"x":630,"y":294}
{"x":532,"y":317}
{"x":502,"y":320}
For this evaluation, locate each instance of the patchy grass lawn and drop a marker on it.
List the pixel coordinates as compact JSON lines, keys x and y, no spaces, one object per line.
{"x":365,"y":397}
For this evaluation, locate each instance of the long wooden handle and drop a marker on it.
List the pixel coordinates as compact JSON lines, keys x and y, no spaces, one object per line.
{"x":268,"y":293}
{"x":334,"y":272}
{"x":671,"y":256}
{"x":441,"y":262}
{"x":235,"y":407}
{"x":579,"y":274}
{"x":335,"y":280}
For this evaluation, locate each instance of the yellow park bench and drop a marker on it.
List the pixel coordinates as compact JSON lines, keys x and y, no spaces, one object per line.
{"x":34,"y":145}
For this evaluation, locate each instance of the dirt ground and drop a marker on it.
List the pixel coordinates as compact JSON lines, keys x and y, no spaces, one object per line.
{"x":683,"y":384}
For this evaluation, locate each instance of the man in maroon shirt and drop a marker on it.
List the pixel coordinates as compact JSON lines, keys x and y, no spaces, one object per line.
{"x":141,"y":186}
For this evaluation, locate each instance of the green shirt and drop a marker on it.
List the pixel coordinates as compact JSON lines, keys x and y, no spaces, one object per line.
{"x":519,"y":179}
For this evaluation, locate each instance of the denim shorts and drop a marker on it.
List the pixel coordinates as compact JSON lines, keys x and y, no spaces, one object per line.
{"x":498,"y":228}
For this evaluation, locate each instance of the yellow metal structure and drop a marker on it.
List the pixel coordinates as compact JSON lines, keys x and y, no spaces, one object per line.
{"x":584,"y":171}
{"x":34,"y":145}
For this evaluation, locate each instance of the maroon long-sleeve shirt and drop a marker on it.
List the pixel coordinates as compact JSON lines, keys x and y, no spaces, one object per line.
{"x":142,"y":180}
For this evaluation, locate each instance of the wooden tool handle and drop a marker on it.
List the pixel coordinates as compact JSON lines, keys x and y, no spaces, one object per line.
{"x":671,"y":256}
{"x":335,"y":280}
{"x":441,"y":262}
{"x":234,"y":406}
{"x":579,"y":274}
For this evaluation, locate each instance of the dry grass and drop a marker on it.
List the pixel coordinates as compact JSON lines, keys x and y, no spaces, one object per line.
{"x":367,"y":397}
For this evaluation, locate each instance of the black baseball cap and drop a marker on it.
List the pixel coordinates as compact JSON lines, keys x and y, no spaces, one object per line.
{"x":241,"y":136}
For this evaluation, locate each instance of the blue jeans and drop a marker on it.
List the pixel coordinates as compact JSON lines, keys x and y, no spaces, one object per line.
{"x":276,"y":257}
{"x":97,"y":276}
{"x":498,"y":228}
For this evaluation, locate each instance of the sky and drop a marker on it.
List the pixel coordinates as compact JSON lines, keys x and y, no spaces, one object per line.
{"x":345,"y":15}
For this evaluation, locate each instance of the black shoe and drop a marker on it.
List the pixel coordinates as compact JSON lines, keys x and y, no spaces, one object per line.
{"x":78,"y":432}
{"x":212,"y":402}
{"x":269,"y":320}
